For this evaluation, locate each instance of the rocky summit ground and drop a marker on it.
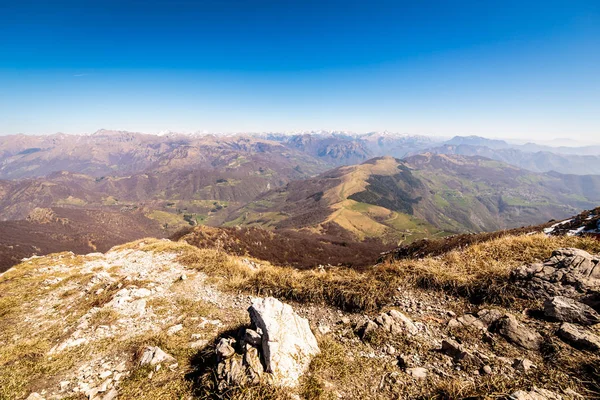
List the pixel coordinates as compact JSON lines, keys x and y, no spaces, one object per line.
{"x":513,"y":317}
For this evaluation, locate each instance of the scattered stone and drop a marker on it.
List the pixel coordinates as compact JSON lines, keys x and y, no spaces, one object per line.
{"x":363,"y":329}
{"x":523,"y":364}
{"x":417,"y":372}
{"x":174,"y":329}
{"x":225,"y":349}
{"x":565,"y":309}
{"x":516,"y":333}
{"x":323,"y":329}
{"x":578,"y":338}
{"x":488,"y":317}
{"x":487,"y":370}
{"x":535,"y":394}
{"x":198,"y":344}
{"x":154,"y":356}
{"x":405,"y":321}
{"x":345,"y":321}
{"x":458,"y":353}
{"x":391,"y":350}
{"x":183,"y":277}
{"x":111,"y":394}
{"x":34,"y":396}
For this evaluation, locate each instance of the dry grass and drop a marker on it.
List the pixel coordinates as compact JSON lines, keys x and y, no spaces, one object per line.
{"x":479,"y":272}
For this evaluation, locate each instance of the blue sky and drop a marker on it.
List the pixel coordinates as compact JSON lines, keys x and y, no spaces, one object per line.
{"x":515,"y":69}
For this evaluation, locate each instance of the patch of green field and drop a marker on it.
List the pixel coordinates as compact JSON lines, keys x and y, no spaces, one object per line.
{"x":71,"y":201}
{"x":236,"y":162}
{"x":110,"y":201}
{"x":167,"y":219}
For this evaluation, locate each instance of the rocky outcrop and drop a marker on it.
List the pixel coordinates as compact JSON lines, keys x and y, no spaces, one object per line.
{"x":569,"y":272}
{"x":517,"y":333}
{"x":459,"y":353}
{"x":288,"y":344}
{"x":578,"y":338}
{"x":392,"y":321}
{"x":278,"y":348}
{"x":565,"y":309}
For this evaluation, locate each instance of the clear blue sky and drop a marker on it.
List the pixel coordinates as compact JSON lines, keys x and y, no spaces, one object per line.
{"x":493,"y":68}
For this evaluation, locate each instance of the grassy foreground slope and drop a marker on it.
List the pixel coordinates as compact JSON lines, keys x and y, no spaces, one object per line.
{"x":49,"y":301}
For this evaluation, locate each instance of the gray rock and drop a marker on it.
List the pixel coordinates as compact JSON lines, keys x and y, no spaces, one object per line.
{"x":569,"y":272}
{"x":154,"y":356}
{"x":111,"y":394}
{"x":488,"y":317}
{"x":253,"y":365}
{"x":523,"y":364}
{"x":578,"y":338}
{"x":516,"y":333}
{"x":231,"y":372}
{"x":417,"y":372}
{"x":252,"y":337}
{"x":458,"y":352}
{"x":403,"y":320}
{"x":288,"y":344}
{"x":565,"y":309}
{"x":225,"y":349}
{"x":366,"y":327}
{"x":535,"y":394}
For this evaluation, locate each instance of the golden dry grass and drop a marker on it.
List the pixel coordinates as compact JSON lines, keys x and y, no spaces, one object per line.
{"x":479,"y":272}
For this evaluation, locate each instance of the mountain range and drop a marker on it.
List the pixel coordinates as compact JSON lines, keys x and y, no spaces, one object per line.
{"x":377,"y":186}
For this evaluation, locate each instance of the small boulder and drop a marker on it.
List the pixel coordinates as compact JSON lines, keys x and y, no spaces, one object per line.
{"x":578,"y":338}
{"x":403,"y":320}
{"x":364,"y":328}
{"x":535,"y":394}
{"x":523,"y":364}
{"x":288,"y":344}
{"x":458,"y":353}
{"x":152,"y":355}
{"x":224,"y":348}
{"x":417,"y":372}
{"x":565,"y":309}
{"x":174,"y":329}
{"x":516,"y":333}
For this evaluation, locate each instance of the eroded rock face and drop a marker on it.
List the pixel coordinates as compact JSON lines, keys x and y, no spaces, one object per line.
{"x":288,"y":345}
{"x":516,"y":333}
{"x":565,"y":309}
{"x":569,"y":272}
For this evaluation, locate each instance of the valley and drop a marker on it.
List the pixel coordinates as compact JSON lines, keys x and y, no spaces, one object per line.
{"x":376,"y":188}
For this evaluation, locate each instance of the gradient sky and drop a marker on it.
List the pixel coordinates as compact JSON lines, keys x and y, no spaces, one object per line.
{"x":513,"y":69}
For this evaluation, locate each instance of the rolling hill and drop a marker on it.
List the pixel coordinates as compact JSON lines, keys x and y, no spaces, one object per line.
{"x":421,"y":196}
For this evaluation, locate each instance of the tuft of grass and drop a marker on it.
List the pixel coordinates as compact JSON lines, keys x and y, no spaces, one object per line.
{"x":104,"y":316}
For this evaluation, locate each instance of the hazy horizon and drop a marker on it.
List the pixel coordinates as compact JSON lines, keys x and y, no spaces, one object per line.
{"x":526,"y":72}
